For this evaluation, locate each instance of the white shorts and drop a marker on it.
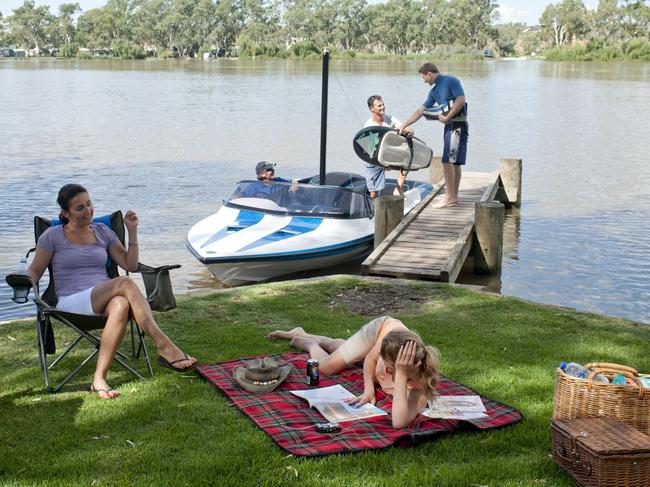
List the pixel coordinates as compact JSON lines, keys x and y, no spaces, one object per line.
{"x":358,"y":345}
{"x":79,"y":303}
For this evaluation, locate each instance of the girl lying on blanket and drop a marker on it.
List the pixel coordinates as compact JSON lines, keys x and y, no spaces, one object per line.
{"x":393,"y":356}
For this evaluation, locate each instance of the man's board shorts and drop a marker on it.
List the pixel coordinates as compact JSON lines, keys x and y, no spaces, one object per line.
{"x":79,"y":303}
{"x":375,"y":177}
{"x":455,"y":143}
{"x":358,"y":345}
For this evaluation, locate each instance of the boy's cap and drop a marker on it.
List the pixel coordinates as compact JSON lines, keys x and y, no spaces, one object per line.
{"x":264,"y":166}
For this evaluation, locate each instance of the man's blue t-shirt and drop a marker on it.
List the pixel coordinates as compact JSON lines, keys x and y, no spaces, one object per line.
{"x":262,"y":188}
{"x":445,"y":89}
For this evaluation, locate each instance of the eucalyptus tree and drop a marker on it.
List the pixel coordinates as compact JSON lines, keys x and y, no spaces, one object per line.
{"x":30,"y":25}
{"x":635,"y":18}
{"x":605,"y":21}
{"x":64,"y":26}
{"x":3,"y":31}
{"x":261,"y":29}
{"x":565,"y":22}
{"x":95,"y":28}
{"x":349,"y":28}
{"x":148,"y":24}
{"x":472,"y":21}
{"x":438,"y":29}
{"x":228,"y":26}
{"x":397,"y":26}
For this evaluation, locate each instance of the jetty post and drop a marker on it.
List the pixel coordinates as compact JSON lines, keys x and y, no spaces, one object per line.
{"x":389,"y":211}
{"x":488,"y":233}
{"x":436,"y":173}
{"x":510,"y":187}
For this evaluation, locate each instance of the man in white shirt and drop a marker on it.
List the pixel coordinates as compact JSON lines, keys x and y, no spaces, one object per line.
{"x":376,"y":175}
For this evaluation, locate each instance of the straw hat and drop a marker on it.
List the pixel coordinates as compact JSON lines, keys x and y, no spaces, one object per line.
{"x":261,"y":375}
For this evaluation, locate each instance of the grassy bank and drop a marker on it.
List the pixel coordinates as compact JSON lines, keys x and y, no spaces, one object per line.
{"x":177,"y":430}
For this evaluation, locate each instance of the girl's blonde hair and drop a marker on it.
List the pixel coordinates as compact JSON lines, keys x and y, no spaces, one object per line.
{"x":428,"y":356}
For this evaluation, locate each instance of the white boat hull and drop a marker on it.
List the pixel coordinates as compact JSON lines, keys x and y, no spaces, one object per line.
{"x":241,"y":244}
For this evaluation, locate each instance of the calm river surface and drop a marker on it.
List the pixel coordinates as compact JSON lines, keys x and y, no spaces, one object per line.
{"x":170,"y":138}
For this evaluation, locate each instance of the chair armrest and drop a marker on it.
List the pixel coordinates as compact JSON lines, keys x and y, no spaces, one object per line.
{"x":145,"y":269}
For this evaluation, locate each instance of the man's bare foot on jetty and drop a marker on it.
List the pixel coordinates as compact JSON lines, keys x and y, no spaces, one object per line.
{"x":445,"y":203}
{"x":287,"y":335}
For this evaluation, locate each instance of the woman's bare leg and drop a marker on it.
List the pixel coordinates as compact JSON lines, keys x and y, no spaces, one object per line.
{"x":117,"y":313}
{"x":125,"y":287}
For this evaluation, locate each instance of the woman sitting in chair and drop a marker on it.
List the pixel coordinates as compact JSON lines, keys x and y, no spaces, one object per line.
{"x":78,"y":250}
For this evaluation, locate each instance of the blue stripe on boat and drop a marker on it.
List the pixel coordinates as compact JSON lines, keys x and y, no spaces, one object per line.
{"x":244,"y":219}
{"x":298,"y":225}
{"x":294,"y":255}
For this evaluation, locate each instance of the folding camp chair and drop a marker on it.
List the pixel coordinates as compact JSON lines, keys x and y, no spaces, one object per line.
{"x":158,"y":290}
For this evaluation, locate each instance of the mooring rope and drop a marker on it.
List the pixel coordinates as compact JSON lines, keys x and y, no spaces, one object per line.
{"x":347,"y":98}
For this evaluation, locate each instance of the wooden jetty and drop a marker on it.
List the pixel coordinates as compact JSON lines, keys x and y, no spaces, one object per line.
{"x":433,"y":243}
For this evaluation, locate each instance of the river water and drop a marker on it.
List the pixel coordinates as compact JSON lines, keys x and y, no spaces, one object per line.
{"x":170,"y":138}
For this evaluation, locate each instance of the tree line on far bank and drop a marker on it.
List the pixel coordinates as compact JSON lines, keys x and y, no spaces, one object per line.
{"x":300,"y":28}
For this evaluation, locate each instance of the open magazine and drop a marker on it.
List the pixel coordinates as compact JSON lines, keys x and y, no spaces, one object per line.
{"x":457,"y":407}
{"x":329,"y":401}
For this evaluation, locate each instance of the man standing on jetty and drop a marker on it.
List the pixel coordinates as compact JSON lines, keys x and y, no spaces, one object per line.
{"x":446,"y":95}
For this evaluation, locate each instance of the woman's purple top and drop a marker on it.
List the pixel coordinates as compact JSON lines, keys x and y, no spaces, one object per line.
{"x":77,"y":267}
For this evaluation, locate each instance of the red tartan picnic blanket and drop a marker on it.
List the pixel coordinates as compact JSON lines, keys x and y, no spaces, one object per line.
{"x":289,"y":420}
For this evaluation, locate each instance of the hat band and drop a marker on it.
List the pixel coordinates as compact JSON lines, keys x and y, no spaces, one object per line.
{"x":262,"y":375}
{"x":264,"y":383}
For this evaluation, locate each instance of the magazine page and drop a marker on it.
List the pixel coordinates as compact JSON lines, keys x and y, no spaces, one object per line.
{"x":322,"y":395}
{"x":456,"y":407}
{"x":338,"y":412}
{"x":330,"y":402}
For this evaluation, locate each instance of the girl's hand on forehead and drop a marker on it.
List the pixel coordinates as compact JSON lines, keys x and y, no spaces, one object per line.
{"x":405,"y":361}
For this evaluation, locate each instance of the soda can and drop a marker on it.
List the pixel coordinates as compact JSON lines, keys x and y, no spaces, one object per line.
{"x":313,"y":372}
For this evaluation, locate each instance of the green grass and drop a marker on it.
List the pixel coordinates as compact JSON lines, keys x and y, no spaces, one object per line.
{"x":177,"y":430}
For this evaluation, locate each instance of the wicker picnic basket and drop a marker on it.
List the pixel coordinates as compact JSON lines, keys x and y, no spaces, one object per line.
{"x":602,"y":452}
{"x":584,"y":398}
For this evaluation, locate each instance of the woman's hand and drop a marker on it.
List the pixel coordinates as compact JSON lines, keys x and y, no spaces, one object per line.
{"x":405,"y":362}
{"x":131,"y":220}
{"x":367,"y":396}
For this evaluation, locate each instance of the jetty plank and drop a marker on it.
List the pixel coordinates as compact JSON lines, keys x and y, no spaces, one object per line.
{"x":433,"y":243}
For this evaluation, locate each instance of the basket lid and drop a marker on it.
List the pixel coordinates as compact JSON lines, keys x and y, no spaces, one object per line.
{"x":604,"y":436}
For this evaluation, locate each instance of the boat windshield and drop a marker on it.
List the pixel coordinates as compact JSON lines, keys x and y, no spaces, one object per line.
{"x":300,"y":199}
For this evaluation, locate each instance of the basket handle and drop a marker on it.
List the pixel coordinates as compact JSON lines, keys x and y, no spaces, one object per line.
{"x":574,"y":460}
{"x":611,"y":367}
{"x":632,"y":377}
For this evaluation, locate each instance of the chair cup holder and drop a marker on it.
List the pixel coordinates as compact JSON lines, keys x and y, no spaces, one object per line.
{"x":21,"y":285}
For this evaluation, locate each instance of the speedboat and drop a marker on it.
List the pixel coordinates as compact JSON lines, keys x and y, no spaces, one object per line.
{"x":269,"y":229}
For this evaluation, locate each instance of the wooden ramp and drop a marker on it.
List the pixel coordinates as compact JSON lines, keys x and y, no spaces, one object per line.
{"x":432,"y":243}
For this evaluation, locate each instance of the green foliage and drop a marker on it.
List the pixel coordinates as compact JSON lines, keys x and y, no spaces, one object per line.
{"x":600,"y":50}
{"x":69,"y":50}
{"x":125,"y":50}
{"x":84,"y":54}
{"x":637,"y":49}
{"x":176,"y":429}
{"x":302,"y":28}
{"x":304,"y":49}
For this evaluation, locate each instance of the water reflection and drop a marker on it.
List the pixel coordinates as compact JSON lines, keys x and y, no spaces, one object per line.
{"x":171,"y":138}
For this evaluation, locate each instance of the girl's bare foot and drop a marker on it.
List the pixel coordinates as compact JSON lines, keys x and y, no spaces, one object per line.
{"x":302,"y":342}
{"x":287,"y":335}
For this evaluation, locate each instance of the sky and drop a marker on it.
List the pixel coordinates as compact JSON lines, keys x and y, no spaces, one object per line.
{"x":525,"y":11}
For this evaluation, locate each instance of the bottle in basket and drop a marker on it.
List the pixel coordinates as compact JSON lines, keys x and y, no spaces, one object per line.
{"x":313,"y":372}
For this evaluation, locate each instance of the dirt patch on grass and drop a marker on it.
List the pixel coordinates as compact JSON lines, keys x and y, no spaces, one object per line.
{"x":380,"y":300}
